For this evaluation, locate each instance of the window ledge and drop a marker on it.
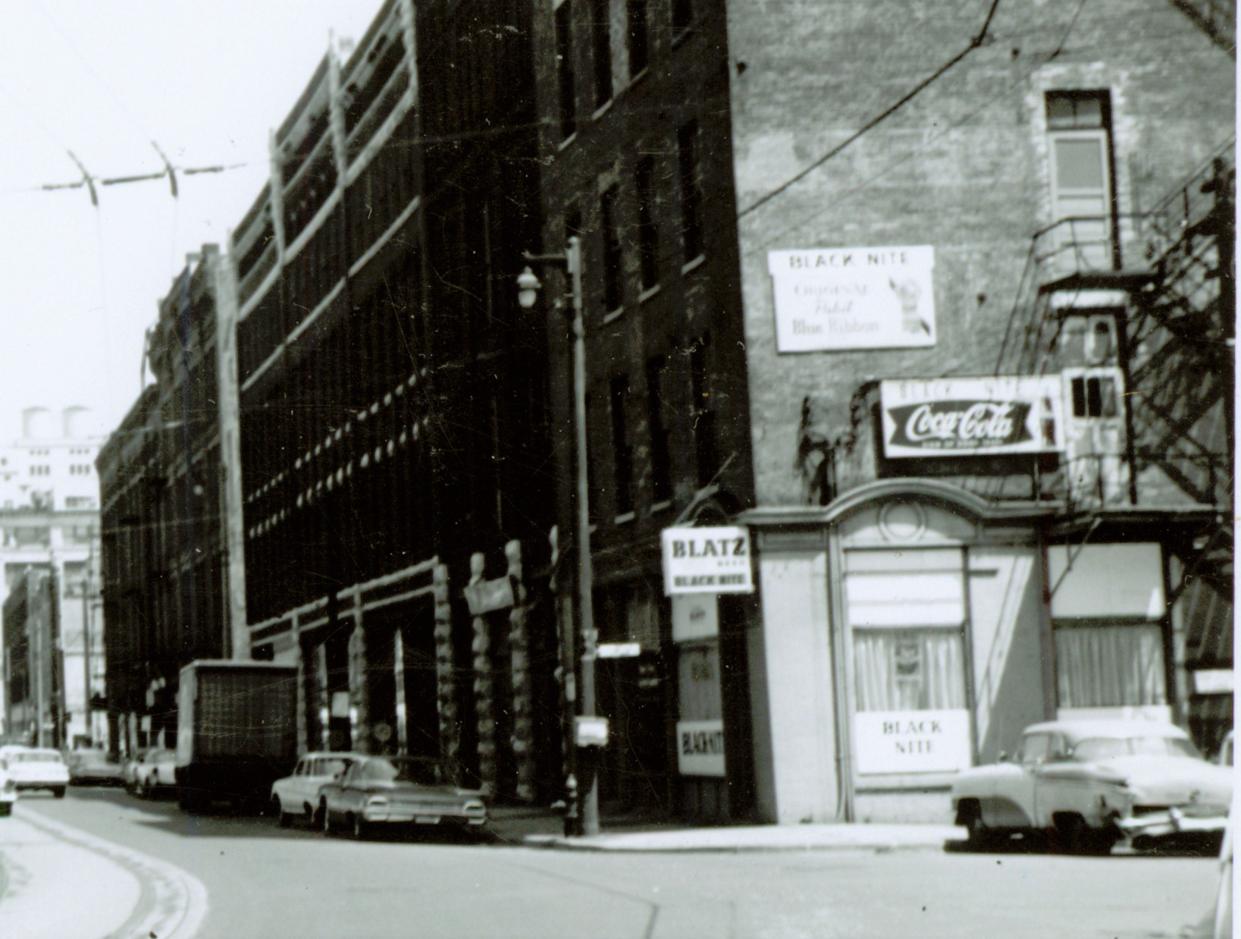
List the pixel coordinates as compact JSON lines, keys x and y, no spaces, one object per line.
{"x":613,"y":315}
{"x":684,"y":34}
{"x":602,"y":109}
{"x":657,"y":507}
{"x":624,"y":518}
{"x":693,"y":263}
{"x":568,"y":140}
{"x":648,"y":293}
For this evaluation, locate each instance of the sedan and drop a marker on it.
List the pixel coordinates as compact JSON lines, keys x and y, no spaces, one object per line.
{"x":36,"y":768}
{"x":393,"y":791}
{"x":297,"y":795}
{"x":92,"y":766}
{"x":1091,"y":783}
{"x":155,"y":772}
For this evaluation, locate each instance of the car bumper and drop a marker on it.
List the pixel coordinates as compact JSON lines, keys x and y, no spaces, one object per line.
{"x":400,"y":815}
{"x":1172,"y":821}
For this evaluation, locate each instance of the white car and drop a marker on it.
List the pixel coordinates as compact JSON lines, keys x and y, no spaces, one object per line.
{"x":8,"y":791}
{"x":297,"y":796}
{"x":155,"y":771}
{"x":1090,"y":783}
{"x":36,"y":768}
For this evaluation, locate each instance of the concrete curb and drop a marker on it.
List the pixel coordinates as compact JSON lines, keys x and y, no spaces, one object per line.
{"x":173,"y":902}
{"x":555,"y":842}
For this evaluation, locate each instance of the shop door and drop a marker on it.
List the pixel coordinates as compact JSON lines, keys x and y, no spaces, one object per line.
{"x":633,"y":770}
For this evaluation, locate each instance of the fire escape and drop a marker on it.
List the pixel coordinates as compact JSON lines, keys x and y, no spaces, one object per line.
{"x":1136,"y":315}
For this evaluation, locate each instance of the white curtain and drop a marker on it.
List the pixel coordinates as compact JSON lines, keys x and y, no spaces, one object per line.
{"x":907,"y":670}
{"x":1109,"y":666}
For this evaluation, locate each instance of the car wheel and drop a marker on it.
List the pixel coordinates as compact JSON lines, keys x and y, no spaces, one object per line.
{"x":6,"y":808}
{"x":360,"y":828}
{"x":58,"y":792}
{"x":1072,"y":835}
{"x":978,"y":835}
{"x":283,"y":818}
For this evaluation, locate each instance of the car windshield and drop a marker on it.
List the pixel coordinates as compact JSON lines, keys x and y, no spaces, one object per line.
{"x":1103,"y":748}
{"x":425,"y":772}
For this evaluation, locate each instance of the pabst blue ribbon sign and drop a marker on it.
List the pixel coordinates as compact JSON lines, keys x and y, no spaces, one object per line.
{"x":967,"y":416}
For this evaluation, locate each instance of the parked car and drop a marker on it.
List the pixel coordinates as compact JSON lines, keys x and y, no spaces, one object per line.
{"x":1224,"y":758}
{"x":398,"y":791}
{"x":297,"y":796}
{"x":8,"y":791}
{"x":92,"y":766}
{"x":129,"y":769}
{"x":1223,"y":895}
{"x":1090,"y":783}
{"x":155,"y":772}
{"x":36,"y":768}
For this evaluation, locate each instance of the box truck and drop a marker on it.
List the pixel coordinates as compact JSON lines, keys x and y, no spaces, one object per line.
{"x":236,"y":731}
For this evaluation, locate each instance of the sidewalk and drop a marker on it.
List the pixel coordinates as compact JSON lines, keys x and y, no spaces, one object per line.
{"x":538,"y":827}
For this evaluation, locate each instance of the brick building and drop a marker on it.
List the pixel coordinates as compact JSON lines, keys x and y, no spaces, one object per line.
{"x":905,"y":212}
{"x":392,"y":402}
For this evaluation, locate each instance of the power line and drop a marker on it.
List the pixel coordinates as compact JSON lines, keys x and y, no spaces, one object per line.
{"x":978,"y":40}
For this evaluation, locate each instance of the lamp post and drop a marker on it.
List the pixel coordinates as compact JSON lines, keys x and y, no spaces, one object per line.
{"x":528,"y":287}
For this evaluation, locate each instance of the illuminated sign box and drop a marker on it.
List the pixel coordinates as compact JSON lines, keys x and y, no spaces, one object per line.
{"x":707,"y":560}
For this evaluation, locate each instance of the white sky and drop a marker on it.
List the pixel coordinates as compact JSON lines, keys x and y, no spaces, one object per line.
{"x":206,"y":79}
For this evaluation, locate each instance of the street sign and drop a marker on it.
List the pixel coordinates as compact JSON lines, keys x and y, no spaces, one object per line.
{"x":486,"y":596}
{"x":618,"y":650}
{"x":590,"y":731}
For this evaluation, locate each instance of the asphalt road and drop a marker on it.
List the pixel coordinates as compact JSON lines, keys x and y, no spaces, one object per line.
{"x":263,"y":881}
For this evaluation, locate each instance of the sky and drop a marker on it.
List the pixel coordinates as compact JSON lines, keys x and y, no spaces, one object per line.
{"x":103,"y":79}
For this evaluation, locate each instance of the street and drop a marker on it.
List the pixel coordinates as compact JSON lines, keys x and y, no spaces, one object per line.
{"x":261,"y":880}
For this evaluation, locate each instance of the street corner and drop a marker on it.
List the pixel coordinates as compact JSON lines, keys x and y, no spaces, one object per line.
{"x":51,"y":887}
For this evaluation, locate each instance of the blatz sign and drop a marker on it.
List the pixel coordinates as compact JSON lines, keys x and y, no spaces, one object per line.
{"x":707,"y":560}
{"x":969,"y":416}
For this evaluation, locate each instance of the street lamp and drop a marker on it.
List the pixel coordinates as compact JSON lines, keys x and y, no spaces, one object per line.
{"x":528,"y":288}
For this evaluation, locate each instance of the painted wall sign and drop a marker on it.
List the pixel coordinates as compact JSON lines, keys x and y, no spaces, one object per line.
{"x":700,"y":748}
{"x":853,"y":298}
{"x":695,"y":616}
{"x":707,"y":560}
{"x":967,"y":416}
{"x":911,"y":741}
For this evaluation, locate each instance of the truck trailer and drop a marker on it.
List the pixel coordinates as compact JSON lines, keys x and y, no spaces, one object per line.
{"x":236,"y":731}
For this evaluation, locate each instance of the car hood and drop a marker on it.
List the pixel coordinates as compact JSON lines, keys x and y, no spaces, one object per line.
{"x":1172,"y":781}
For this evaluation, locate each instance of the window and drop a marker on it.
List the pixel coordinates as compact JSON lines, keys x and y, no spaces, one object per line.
{"x":564,"y":69}
{"x":622,"y":451}
{"x":648,"y":232}
{"x":691,"y":190}
{"x":1079,"y":144}
{"x":1110,"y":665}
{"x":608,"y":209}
{"x":682,"y":15}
{"x":702,"y":412}
{"x":601,"y":43}
{"x":639,"y":44}
{"x":1035,"y":748}
{"x":661,"y":458}
{"x":1094,"y":396}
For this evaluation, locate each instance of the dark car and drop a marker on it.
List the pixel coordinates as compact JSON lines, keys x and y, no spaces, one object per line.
{"x":394,"y":791}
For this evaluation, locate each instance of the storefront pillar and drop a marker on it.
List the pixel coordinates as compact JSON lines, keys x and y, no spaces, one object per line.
{"x":445,"y":682}
{"x":523,"y":725}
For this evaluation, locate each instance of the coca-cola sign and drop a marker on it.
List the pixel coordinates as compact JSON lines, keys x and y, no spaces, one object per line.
{"x":961,"y":416}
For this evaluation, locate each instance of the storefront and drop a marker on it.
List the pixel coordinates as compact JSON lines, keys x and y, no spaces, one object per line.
{"x":912,"y":629}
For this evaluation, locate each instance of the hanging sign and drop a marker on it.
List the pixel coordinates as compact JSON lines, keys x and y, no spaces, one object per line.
{"x":487,"y":596}
{"x":695,"y":616}
{"x":970,"y":416}
{"x":707,"y":560}
{"x":700,"y":748}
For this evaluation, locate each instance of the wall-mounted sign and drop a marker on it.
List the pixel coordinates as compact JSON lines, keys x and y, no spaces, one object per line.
{"x":695,"y":616}
{"x":590,"y":731}
{"x":700,"y":748}
{"x":707,"y":560}
{"x":911,"y":741}
{"x":853,"y":298}
{"x":618,"y":650}
{"x":487,"y":596}
{"x":969,"y":416}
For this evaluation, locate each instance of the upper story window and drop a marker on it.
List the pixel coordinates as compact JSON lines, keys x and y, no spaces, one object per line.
{"x":566,"y":78}
{"x":702,"y":411}
{"x":638,"y":39}
{"x":622,"y":450}
{"x":648,"y":231}
{"x":610,"y":223}
{"x":661,"y":454}
{"x":1079,"y":147}
{"x":1094,"y":395}
{"x":690,"y":173}
{"x":682,"y":16}
{"x":601,"y":46}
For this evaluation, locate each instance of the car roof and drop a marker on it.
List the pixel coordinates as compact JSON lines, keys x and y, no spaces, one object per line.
{"x":1117,"y":729}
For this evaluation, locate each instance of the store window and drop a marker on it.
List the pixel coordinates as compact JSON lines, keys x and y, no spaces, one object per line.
{"x":1117,"y":665}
